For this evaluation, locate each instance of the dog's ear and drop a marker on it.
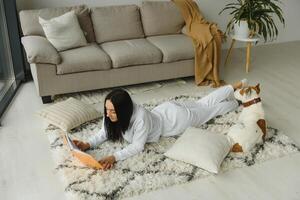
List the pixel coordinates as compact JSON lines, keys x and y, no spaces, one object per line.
{"x":257,"y":88}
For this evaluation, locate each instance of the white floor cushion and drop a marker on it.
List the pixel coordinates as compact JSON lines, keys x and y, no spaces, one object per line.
{"x":68,"y":114}
{"x":200,"y":148}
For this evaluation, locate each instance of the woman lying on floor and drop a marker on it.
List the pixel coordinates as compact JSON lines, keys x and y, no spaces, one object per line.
{"x":124,"y":119}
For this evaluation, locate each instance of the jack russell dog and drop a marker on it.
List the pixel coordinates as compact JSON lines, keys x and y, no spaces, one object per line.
{"x":251,"y":126}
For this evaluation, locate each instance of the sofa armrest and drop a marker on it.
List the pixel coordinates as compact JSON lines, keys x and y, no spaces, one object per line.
{"x":40,"y":50}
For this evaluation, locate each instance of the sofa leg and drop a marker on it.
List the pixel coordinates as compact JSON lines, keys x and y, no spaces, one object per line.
{"x":46,"y":99}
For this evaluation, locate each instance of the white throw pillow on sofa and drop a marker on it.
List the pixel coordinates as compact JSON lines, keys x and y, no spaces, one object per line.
{"x":68,"y":114}
{"x":64,"y":31}
{"x":200,"y":148}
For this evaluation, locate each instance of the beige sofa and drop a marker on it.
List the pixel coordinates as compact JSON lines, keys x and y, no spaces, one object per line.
{"x":128,"y":44}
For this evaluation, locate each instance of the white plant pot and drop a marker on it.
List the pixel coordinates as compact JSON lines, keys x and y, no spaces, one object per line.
{"x":241,"y":29}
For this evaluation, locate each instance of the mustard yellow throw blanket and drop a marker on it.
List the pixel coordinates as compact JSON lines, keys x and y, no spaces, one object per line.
{"x":207,"y":40}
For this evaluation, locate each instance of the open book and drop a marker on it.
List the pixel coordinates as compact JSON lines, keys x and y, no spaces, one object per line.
{"x":83,"y":157}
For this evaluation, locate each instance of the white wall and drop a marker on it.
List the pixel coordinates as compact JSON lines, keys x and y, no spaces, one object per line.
{"x":210,"y":9}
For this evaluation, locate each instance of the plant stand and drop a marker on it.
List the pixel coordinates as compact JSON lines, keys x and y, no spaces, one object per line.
{"x":249,"y":44}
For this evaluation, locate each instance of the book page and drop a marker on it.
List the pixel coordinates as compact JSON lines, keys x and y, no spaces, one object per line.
{"x":87,"y":159}
{"x":83,"y":157}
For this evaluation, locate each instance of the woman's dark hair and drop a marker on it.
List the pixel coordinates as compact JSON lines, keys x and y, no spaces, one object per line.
{"x":124,"y":107}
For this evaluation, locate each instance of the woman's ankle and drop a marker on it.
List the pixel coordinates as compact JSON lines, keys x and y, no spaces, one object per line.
{"x":237,"y":85}
{"x":240,"y":84}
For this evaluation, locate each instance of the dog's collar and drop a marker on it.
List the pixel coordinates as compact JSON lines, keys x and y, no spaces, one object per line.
{"x":253,"y":101}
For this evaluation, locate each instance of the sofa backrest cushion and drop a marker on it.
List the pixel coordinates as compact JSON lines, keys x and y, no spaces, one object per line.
{"x":161,"y":18}
{"x":30,"y":20}
{"x":117,"y":23}
{"x":64,"y":31}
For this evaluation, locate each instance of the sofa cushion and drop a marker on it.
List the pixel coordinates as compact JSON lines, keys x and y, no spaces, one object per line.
{"x":40,"y":50}
{"x":174,"y":47}
{"x":64,"y":31}
{"x":86,"y":24}
{"x":132,"y":52}
{"x":161,"y":18}
{"x":30,"y":20}
{"x":117,"y":23}
{"x":82,"y":59}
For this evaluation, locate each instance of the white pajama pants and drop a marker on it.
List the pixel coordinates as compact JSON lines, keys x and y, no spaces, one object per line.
{"x":177,"y":117}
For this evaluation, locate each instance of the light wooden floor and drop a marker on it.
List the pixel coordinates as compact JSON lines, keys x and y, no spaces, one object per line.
{"x":27,"y":169}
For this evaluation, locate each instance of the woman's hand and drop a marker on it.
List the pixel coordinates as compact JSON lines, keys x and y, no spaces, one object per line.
{"x":108,"y":162}
{"x":82,"y":145}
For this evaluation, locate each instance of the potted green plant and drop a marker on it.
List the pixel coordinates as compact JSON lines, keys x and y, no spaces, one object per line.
{"x":256,"y":15}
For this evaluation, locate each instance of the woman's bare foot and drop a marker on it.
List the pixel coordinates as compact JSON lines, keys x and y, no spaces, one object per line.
{"x":240,"y":84}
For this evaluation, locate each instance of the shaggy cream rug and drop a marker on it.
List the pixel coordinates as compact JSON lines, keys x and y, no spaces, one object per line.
{"x":149,"y":170}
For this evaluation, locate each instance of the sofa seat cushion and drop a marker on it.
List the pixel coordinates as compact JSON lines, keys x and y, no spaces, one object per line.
{"x":83,"y":59}
{"x":112,"y":23}
{"x":132,"y":52}
{"x":174,"y":47}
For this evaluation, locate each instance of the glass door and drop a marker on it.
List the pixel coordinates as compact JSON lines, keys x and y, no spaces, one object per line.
{"x":11,"y":57}
{"x":7,"y":77}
